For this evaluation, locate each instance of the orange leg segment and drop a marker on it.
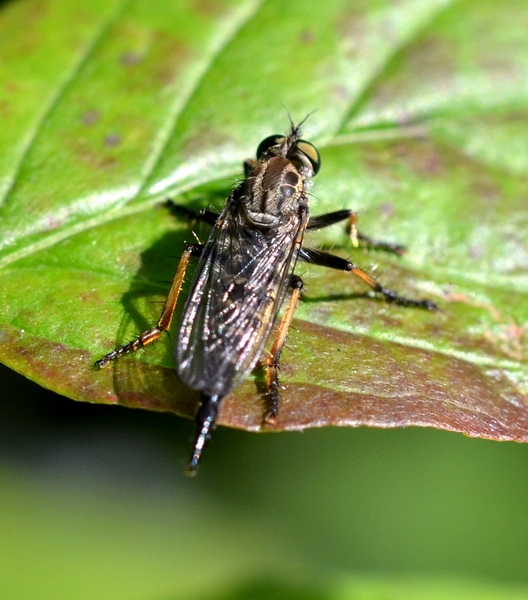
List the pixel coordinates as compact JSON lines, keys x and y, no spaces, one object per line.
{"x":276,"y":350}
{"x":164,"y":322}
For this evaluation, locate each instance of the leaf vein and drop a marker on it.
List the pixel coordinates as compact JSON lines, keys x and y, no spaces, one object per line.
{"x":60,"y":90}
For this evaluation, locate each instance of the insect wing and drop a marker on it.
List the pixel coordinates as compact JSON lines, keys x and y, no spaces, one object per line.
{"x":236,"y":293}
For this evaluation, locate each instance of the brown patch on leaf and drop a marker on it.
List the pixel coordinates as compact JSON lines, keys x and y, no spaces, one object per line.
{"x":129,"y":59}
{"x":423,"y":158}
{"x":203,"y":139}
{"x":112,"y":140}
{"x":430,"y":56}
{"x":360,"y":381}
{"x":90,"y":117}
{"x":209,"y":8}
{"x":86,"y":153}
{"x":307,"y":36}
{"x":168,"y":59}
{"x":509,"y":340}
{"x":352,"y":29}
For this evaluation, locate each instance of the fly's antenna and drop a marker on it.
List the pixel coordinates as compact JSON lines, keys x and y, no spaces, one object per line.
{"x":305,"y":119}
{"x":295,"y":130}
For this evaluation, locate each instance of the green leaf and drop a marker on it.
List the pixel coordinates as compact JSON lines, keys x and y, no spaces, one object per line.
{"x":425,"y":588}
{"x":109,"y":108}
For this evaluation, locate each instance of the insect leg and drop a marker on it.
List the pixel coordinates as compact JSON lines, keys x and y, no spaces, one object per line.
{"x":328,"y":219}
{"x":207,"y":216}
{"x":205,"y":423}
{"x":324,"y":259}
{"x":272,"y":362}
{"x":163,"y":324}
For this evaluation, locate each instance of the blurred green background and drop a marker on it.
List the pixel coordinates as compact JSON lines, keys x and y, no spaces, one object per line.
{"x":94,"y":505}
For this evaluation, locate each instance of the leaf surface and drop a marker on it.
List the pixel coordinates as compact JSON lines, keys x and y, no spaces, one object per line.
{"x":422,"y":125}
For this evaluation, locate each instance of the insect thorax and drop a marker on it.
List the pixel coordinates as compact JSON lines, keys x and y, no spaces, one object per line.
{"x":273,"y":193}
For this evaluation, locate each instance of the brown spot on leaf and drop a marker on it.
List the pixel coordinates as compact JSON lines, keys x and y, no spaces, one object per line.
{"x":169,"y":57}
{"x":352,"y":29}
{"x":5,"y":109}
{"x":204,"y":138}
{"x":208,"y":8}
{"x":422,"y":157}
{"x":112,"y":140}
{"x":95,"y":158}
{"x":129,"y":59}
{"x":90,"y":117}
{"x":486,"y":189}
{"x":307,"y":36}
{"x":429,"y":55}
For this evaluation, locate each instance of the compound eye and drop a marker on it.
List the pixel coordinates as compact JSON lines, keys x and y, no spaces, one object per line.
{"x":311,"y":153}
{"x":269,"y":142}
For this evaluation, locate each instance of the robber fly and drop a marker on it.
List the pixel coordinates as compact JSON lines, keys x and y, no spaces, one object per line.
{"x":243,"y":276}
